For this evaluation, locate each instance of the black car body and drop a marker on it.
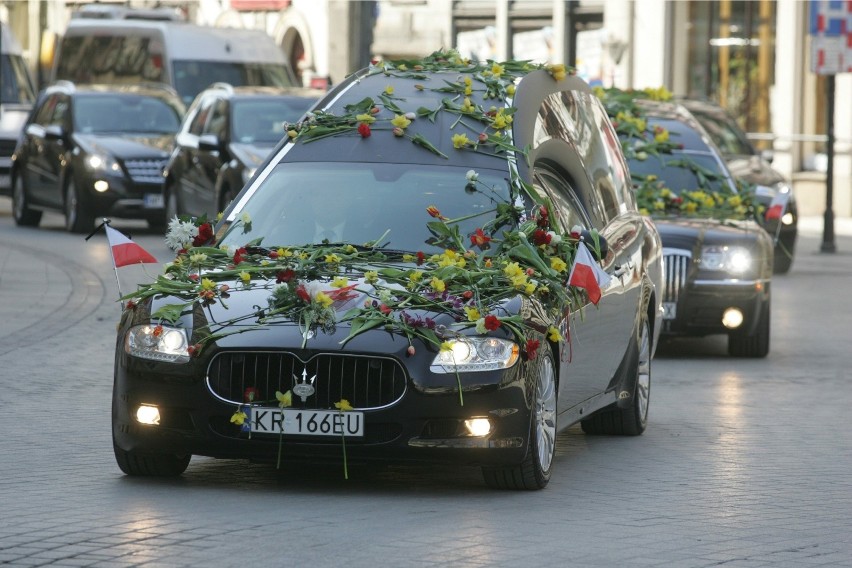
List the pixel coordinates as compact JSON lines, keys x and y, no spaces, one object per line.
{"x":91,"y":151}
{"x":415,"y":402}
{"x":753,"y":166}
{"x":718,"y":270}
{"x":226,"y":134}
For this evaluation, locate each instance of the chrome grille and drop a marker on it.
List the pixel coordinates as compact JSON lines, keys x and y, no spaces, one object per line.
{"x":676,"y":263}
{"x":146,"y":171}
{"x":365,"y":381}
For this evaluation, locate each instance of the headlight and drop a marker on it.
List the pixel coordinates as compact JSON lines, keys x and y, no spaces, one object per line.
{"x":735,"y":260}
{"x":248,"y":173}
{"x":157,"y":342}
{"x":470,"y":354}
{"x":103,"y":163}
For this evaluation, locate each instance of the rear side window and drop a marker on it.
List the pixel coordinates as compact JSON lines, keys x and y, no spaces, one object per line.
{"x":111,"y":60}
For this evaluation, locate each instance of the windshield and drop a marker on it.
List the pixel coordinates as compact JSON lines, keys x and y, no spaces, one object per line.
{"x":684,"y":171}
{"x":110,"y":113}
{"x":262,"y":120}
{"x":308,"y":202}
{"x":192,"y":77}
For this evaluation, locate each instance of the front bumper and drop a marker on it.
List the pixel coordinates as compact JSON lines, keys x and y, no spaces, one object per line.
{"x":702,"y":303}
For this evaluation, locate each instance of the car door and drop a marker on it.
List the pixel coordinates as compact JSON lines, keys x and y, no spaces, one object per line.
{"x":212,"y":153}
{"x":186,"y":169}
{"x":47,"y":153}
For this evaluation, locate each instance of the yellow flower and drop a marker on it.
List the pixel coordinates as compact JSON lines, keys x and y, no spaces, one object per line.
{"x":332,"y":258}
{"x":554,"y":335}
{"x":437,"y":284}
{"x":371,"y":277}
{"x":245,"y":218}
{"x":389,"y":90}
{"x":499,"y":122}
{"x":662,"y":136}
{"x":510,"y":90}
{"x":416,"y":275}
{"x":446,"y":346}
{"x":343,"y":405}
{"x":467,"y":106}
{"x":207,"y":284}
{"x":558,"y":264}
{"x":197,"y":258}
{"x":472,"y":313}
{"x":468,"y":81}
{"x":735,"y":201}
{"x":400,"y":121}
{"x":366,"y":118}
{"x":529,"y":288}
{"x":349,"y":249}
{"x":339,"y":282}
{"x":239,"y":418}
{"x":512,"y":269}
{"x":643,"y":211}
{"x":557,"y":70}
{"x":408,"y":258}
{"x":291,"y":133}
{"x":690,"y":207}
{"x":284,"y":400}
{"x":709,"y":202}
{"x":651,"y":178}
{"x":323,"y":300}
{"x":659,"y":205}
{"x":497,"y":69}
{"x":460,"y":141}
{"x":468,"y":91}
{"x":245,"y":277}
{"x":282,"y":253}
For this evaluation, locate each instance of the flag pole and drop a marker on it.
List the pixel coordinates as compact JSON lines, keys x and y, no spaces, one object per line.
{"x":104,"y":222}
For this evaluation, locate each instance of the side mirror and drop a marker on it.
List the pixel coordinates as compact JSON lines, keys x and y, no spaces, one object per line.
{"x":767,"y":155}
{"x":590,"y":243}
{"x":54,"y":132}
{"x":208,"y":143}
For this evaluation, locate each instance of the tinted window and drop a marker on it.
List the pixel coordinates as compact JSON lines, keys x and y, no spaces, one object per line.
{"x":218,"y":122}
{"x":192,"y":77}
{"x":262,"y":120}
{"x":124,"y":113}
{"x":110,"y":60}
{"x":365,"y":202}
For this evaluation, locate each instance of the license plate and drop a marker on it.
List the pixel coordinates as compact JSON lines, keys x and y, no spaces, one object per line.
{"x":153,"y":200}
{"x":669,"y":310}
{"x":307,"y":422}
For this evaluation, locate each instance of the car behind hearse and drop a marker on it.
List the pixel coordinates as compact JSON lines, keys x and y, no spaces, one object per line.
{"x":395,"y":284}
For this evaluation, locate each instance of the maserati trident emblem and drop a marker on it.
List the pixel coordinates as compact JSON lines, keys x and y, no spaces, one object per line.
{"x":305,"y":387}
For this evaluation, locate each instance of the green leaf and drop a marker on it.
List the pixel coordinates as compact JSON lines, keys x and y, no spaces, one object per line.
{"x":171,"y":312}
{"x":429,"y":113}
{"x":390,"y":105}
{"x":421,"y":141}
{"x":361,"y":107}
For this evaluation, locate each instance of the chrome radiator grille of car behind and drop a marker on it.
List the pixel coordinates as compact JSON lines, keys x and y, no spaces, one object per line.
{"x":676,"y":263}
{"x":365,"y":381}
{"x":145,"y":171}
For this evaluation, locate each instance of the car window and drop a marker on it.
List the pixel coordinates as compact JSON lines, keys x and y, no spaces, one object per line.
{"x":127,"y":60}
{"x":60,"y":113}
{"x":196,"y":126}
{"x":45,"y":111}
{"x":725,"y":133}
{"x":192,"y":77}
{"x":15,"y":85}
{"x":218,"y":119}
{"x":365,"y":202}
{"x":262,"y":120}
{"x":124,"y":113}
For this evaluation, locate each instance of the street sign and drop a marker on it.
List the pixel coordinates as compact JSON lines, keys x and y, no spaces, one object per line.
{"x":830,"y":27}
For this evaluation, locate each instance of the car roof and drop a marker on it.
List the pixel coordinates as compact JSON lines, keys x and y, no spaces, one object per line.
{"x":251,"y":91}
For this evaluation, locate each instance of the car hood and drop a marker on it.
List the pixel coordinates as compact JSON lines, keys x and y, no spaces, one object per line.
{"x":692,"y":234}
{"x":753,"y":169}
{"x":12,"y":119}
{"x":138,"y":146}
{"x":252,"y":155}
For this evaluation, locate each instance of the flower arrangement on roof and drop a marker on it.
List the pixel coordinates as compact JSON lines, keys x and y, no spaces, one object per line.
{"x":641,"y":142}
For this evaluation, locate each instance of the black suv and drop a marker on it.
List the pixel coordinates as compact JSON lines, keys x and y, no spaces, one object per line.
{"x":226,"y":134}
{"x":91,"y":151}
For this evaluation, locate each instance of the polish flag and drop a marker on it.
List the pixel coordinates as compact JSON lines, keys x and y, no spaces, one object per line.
{"x":587,"y":274}
{"x":778,"y":206}
{"x":125,"y":251}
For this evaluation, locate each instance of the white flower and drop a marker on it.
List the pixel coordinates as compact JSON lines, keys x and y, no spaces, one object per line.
{"x":555,"y":239}
{"x":180,"y":234}
{"x":410,"y":115}
{"x":577,"y":229}
{"x":472,"y":175}
{"x":245,"y":218}
{"x":480,"y":326}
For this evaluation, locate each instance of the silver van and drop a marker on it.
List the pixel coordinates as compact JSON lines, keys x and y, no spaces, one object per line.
{"x":16,"y":101}
{"x":186,"y":56}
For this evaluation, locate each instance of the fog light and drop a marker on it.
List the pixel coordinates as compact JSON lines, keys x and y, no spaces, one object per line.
{"x":478,"y":426}
{"x":732,"y":318}
{"x":101,"y":186}
{"x":147,"y":414}
{"x":787,"y":219}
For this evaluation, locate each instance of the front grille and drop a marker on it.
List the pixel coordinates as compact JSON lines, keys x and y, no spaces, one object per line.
{"x":676,"y":263}
{"x":145,"y":171}
{"x":365,"y":381}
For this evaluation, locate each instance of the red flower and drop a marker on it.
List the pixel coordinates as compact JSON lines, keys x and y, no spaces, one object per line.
{"x":131,"y":305}
{"x":543,"y":219}
{"x":410,"y":351}
{"x":158,"y":331}
{"x":434,"y":212}
{"x":385,"y":309}
{"x":273,"y":254}
{"x":421,"y":258}
{"x":467,"y":294}
{"x":193,"y":277}
{"x":532,"y":348}
{"x":205,"y":234}
{"x":284,"y":276}
{"x":541,"y":237}
{"x":238,"y":255}
{"x":194,"y":350}
{"x":250,"y":395}
{"x":492,"y":322}
{"x":364,"y":130}
{"x":479,"y":239}
{"x":303,"y":294}
{"x":375,"y":110}
{"x":483,"y":138}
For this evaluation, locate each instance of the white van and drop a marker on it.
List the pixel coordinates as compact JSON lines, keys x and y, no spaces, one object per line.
{"x":16,"y":101}
{"x":186,"y":56}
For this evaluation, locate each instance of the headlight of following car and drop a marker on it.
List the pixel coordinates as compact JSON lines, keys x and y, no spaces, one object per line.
{"x":470,"y":354}
{"x":735,"y":260}
{"x":157,"y":342}
{"x":103,"y":163}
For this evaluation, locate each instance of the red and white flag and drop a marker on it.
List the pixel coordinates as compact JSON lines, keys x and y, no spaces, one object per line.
{"x":125,"y":251}
{"x":587,"y":274}
{"x":778,"y":206}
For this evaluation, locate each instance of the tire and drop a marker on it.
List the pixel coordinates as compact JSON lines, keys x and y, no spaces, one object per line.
{"x":783,"y":256}
{"x":631,"y":420}
{"x":534,"y":471}
{"x":755,"y":346}
{"x":150,"y":465}
{"x":77,"y":219}
{"x":24,"y":216}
